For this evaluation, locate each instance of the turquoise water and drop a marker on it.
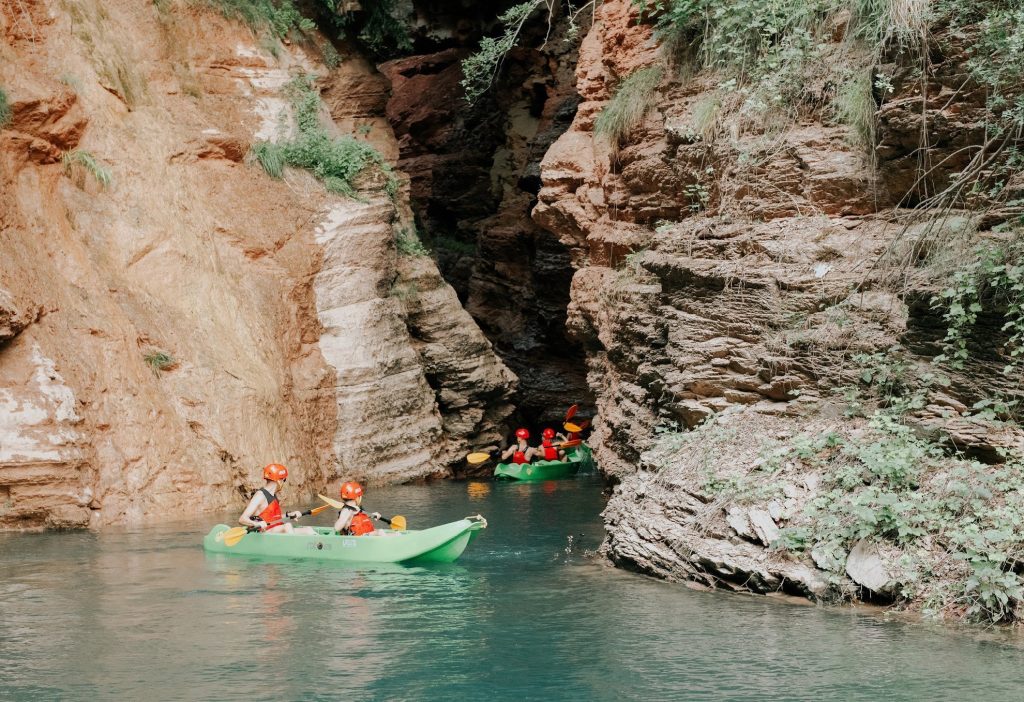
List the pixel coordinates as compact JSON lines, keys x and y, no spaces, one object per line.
{"x":527,"y":613}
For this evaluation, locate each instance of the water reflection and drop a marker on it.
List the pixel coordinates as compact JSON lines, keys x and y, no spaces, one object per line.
{"x":524,"y":614}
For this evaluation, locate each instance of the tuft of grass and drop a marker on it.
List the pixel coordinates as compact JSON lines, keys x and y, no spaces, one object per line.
{"x":160,"y":361}
{"x":337,"y":162}
{"x":408,"y":243}
{"x":82,"y":159}
{"x":855,"y":107}
{"x":280,"y":17}
{"x":627,"y":109}
{"x":5,"y":108}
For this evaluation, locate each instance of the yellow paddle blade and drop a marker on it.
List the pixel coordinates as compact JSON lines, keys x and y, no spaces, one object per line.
{"x":233,"y":536}
{"x":477,"y":458}
{"x":569,"y":426}
{"x":398,"y":522}
{"x":333,"y":503}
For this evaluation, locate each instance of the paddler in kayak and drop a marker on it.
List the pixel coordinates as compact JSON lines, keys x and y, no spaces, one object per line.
{"x":264,"y":510}
{"x":352,"y":520}
{"x":547,"y":446}
{"x":521,"y":451}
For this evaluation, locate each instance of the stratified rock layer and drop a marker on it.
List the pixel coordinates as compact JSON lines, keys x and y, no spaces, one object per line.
{"x":164,"y":337}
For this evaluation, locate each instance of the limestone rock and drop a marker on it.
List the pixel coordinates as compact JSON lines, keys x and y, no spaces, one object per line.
{"x":865,"y":567}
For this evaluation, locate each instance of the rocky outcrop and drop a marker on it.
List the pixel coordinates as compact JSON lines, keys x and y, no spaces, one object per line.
{"x":728,"y":276}
{"x":165,"y":336}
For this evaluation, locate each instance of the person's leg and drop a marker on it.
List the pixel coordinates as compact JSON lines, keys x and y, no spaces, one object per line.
{"x":308,"y":531}
{"x":285,"y":528}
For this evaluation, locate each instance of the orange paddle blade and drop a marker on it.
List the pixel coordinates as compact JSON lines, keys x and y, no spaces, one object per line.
{"x":476,"y":459}
{"x":398,"y":522}
{"x":569,"y":426}
{"x":571,"y":412}
{"x":570,"y":444}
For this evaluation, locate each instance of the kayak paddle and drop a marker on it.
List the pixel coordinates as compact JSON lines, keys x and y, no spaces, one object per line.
{"x":574,"y":428}
{"x":571,"y":412}
{"x":233,"y":536}
{"x":475,"y":459}
{"x":397,"y":522}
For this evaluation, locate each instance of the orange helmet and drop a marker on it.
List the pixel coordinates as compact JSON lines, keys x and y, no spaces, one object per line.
{"x":351,"y":490}
{"x":549,"y":433}
{"x":275,"y":471}
{"x":522,"y":434}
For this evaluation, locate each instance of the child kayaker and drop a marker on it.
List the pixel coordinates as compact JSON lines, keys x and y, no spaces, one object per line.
{"x":352,"y":520}
{"x":264,"y":509}
{"x":521,"y":451}
{"x":547,"y":446}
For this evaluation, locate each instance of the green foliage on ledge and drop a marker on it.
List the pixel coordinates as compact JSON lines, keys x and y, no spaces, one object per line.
{"x":336,"y":161}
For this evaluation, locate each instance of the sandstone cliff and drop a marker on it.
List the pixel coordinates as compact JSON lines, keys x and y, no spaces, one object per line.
{"x":164,"y":335}
{"x":735,"y":274}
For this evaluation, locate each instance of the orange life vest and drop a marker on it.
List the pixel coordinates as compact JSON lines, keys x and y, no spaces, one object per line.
{"x":550,"y":452}
{"x":360,"y":523}
{"x":272,"y":512}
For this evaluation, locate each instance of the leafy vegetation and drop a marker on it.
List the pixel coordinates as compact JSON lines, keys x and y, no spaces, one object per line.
{"x":279,"y":17}
{"x":481,"y":69}
{"x":337,"y":162}
{"x":5,"y":108}
{"x":408,"y":243}
{"x":627,"y":109}
{"x":159,"y":361}
{"x":994,"y":277}
{"x":79,"y":160}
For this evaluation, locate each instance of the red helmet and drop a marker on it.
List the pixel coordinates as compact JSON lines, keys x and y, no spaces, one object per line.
{"x":522,"y":434}
{"x":549,"y":433}
{"x":351,"y":490}
{"x":275,"y":471}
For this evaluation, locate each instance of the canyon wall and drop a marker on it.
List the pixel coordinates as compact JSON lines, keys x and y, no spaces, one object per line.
{"x":728,"y":274}
{"x":165,"y":335}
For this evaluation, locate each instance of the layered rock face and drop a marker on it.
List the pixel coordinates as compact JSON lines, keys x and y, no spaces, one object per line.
{"x":735,"y":275}
{"x":474,"y":173}
{"x":165,"y":336}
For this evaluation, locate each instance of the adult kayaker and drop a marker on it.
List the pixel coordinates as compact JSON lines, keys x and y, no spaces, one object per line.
{"x":521,"y":451}
{"x":264,"y":509}
{"x":547,"y":446}
{"x":352,"y":520}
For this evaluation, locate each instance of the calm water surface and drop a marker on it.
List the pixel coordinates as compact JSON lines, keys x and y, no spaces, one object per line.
{"x":527,"y":613}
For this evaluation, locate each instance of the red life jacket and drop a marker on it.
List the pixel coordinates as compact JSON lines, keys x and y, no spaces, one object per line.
{"x":360,"y":523}
{"x":272,"y":512}
{"x":519,"y":457}
{"x":550,"y":452}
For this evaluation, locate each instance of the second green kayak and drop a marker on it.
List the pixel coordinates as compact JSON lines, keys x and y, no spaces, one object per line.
{"x":576,"y":460}
{"x":440,"y":544}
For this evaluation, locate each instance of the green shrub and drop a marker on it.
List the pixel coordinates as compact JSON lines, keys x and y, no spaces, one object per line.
{"x":5,"y":108}
{"x":480,"y":70}
{"x":408,"y":243}
{"x":279,"y":17}
{"x":159,"y":361}
{"x":337,"y":162}
{"x":635,"y":96}
{"x":81,"y":159}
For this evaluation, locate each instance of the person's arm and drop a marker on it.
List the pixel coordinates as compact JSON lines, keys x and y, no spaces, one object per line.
{"x":508,"y":452}
{"x":345,"y":515}
{"x":256,"y":504}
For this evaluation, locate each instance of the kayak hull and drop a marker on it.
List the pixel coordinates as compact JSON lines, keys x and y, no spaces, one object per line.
{"x":578,"y":459}
{"x":440,"y":544}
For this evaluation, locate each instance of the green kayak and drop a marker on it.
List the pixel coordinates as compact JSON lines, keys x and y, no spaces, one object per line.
{"x":440,"y":544}
{"x":577,"y":459}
